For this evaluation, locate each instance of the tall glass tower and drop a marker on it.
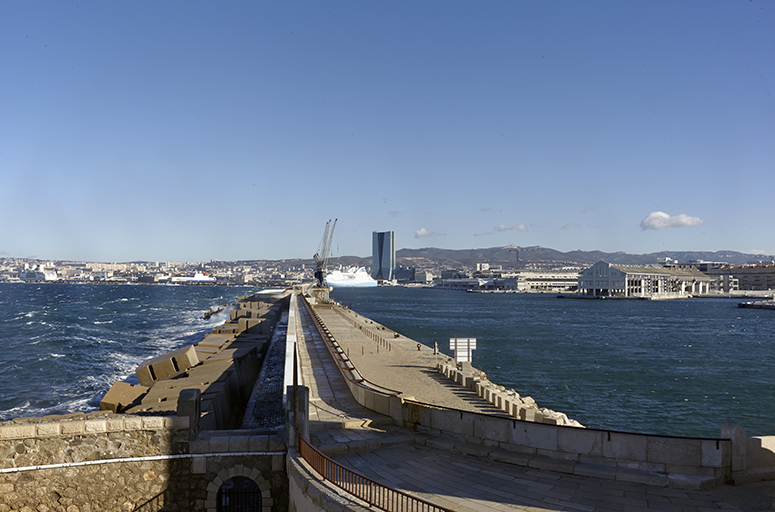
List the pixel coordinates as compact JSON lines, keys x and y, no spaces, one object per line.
{"x":383,"y":255}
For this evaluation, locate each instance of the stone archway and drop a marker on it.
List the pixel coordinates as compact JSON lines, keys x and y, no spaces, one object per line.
{"x":239,"y":471}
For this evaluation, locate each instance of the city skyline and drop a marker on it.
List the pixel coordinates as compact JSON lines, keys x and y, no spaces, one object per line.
{"x":193,"y":132}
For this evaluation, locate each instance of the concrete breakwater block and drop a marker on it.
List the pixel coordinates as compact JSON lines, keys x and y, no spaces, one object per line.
{"x":227,"y":328}
{"x":122,"y":396}
{"x":246,"y":360}
{"x":166,"y":365}
{"x":255,"y":325}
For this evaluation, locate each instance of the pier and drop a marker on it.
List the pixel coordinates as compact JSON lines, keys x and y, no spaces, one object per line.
{"x":403,"y":423}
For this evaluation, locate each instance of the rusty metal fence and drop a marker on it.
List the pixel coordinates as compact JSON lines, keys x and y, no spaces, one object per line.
{"x":377,"y":495}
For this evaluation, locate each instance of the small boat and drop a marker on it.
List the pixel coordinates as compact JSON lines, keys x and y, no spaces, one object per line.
{"x":759,"y":304}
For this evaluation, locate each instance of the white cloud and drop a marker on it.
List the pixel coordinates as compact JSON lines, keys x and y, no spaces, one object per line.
{"x":516,"y":227}
{"x":661,"y":220}
{"x":423,"y":233}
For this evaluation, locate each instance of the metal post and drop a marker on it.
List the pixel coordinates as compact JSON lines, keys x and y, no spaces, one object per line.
{"x":295,"y":401}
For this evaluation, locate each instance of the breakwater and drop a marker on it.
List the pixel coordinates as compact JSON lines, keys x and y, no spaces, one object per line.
{"x":64,"y":344}
{"x":541,"y":438}
{"x":172,"y":442}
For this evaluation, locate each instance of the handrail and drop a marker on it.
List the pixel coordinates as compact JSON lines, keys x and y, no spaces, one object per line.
{"x":362,"y":487}
{"x":373,"y":334}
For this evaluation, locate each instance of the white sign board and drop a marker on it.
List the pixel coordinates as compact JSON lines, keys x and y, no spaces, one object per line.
{"x":462,"y":348}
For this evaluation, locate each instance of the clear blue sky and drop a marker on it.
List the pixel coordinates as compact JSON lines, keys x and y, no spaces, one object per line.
{"x":192,"y":131}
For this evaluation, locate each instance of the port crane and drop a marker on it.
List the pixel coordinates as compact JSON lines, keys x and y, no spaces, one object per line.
{"x":321,"y":257}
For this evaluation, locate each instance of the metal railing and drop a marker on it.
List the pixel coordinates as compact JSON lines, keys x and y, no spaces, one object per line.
{"x":377,"y":495}
{"x":374,"y":335}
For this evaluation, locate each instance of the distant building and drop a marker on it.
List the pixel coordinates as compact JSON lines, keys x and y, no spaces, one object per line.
{"x":383,"y":255}
{"x":748,"y":277}
{"x":606,"y":280}
{"x":454,"y":274}
{"x":404,"y":274}
{"x":38,"y":273}
{"x":423,"y":276}
{"x":557,"y":280}
{"x":707,"y":266}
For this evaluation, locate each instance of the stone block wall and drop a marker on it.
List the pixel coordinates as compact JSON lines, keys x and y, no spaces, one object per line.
{"x":103,"y":461}
{"x":71,"y":462}
{"x":687,"y":463}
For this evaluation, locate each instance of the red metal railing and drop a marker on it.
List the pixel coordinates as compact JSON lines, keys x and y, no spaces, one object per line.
{"x":362,"y":487}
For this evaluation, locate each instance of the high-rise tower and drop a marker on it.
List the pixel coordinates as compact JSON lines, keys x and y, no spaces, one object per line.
{"x":383,"y":255}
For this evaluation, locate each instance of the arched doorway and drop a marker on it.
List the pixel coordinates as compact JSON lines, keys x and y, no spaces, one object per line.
{"x":239,"y":494}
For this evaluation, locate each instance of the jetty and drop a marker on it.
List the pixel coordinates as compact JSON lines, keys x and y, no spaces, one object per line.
{"x":298,"y":403}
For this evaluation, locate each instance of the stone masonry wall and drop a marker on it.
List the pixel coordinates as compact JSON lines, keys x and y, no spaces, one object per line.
{"x":104,"y":461}
{"x":77,"y":446}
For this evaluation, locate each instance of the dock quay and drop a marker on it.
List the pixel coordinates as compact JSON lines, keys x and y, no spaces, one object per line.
{"x":303,"y":404}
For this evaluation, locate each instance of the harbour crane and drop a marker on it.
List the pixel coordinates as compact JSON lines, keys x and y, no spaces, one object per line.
{"x":321,"y":257}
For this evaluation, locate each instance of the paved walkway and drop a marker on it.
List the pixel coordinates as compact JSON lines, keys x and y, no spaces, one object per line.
{"x":403,"y":365}
{"x":403,"y":459}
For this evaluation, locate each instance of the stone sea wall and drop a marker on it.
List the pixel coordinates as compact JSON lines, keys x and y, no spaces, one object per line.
{"x":71,"y":463}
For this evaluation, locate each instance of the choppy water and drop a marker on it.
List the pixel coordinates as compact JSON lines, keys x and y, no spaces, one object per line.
{"x":680,"y":367}
{"x":63,"y":345}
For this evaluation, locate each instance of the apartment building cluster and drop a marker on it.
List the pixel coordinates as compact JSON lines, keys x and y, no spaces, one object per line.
{"x":259,"y":273}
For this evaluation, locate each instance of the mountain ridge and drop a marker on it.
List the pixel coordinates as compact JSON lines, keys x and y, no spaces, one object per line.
{"x":513,"y":256}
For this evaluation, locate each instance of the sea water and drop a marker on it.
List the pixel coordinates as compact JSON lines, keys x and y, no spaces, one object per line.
{"x":680,"y":367}
{"x":63,"y":345}
{"x":677,"y":367}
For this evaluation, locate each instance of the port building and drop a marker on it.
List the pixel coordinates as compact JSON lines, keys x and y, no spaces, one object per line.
{"x":748,"y":277}
{"x":383,"y":255}
{"x":604,"y":279}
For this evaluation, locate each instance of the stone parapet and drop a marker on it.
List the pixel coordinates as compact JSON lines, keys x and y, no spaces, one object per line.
{"x":685,"y":463}
{"x":87,"y":424}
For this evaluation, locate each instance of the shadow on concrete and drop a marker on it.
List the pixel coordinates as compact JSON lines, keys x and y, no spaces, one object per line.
{"x":464,"y":394}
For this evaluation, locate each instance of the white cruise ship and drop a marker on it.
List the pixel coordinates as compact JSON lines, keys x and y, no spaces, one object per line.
{"x":353,"y":277}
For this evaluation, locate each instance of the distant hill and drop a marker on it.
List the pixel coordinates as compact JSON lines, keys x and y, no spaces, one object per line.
{"x":434,"y":258}
{"x":507,"y":257}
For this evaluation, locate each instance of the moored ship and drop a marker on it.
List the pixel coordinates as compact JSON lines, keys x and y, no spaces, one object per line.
{"x":352,"y":277}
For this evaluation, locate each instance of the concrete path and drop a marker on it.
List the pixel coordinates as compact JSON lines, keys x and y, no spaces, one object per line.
{"x":403,"y":365}
{"x":418,"y":464}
